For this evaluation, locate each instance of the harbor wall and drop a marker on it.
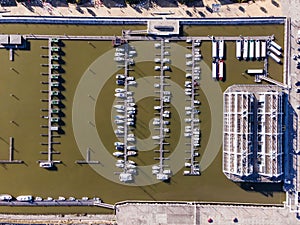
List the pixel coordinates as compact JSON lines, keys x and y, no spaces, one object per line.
{"x":137,"y":21}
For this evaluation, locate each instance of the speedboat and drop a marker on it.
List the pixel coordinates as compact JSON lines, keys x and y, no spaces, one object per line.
{"x":130,"y":166}
{"x":118,"y":154}
{"x":60,"y":198}
{"x":120,"y":95}
{"x":120,"y":165}
{"x":119,"y":144}
{"x":24,"y":198}
{"x":131,"y":153}
{"x":131,"y":147}
{"x":119,"y":90}
{"x":5,"y":197}
{"x":155,"y":167}
{"x":119,"y":107}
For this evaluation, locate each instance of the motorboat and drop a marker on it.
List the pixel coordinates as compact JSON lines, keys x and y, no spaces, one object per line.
{"x":130,"y":78}
{"x":130,"y":166}
{"x":120,"y":165}
{"x":188,"y":75}
{"x":154,"y":172}
{"x":131,"y":153}
{"x":131,"y":162}
{"x":119,"y":144}
{"x":46,"y":165}
{"x":119,"y":107}
{"x":120,"y":161}
{"x":157,"y":68}
{"x":120,"y":76}
{"x":189,"y":63}
{"x":119,"y":59}
{"x":132,"y":171}
{"x":119,"y":117}
{"x":119,"y":148}
{"x":118,"y":131}
{"x":120,"y":95}
{"x":24,"y":198}
{"x":131,"y":147}
{"x":188,"y":56}
{"x":118,"y":154}
{"x":166,"y":60}
{"x":38,"y":199}
{"x":157,"y":107}
{"x":157,"y":45}
{"x":61,"y":198}
{"x":131,"y":139}
{"x":120,"y":49}
{"x":155,"y":137}
{"x":49,"y":199}
{"x":119,"y":121}
{"x":130,"y":123}
{"x":166,"y":68}
{"x":157,"y":60}
{"x":132,"y":82}
{"x":5,"y":197}
{"x":155,"y":167}
{"x":119,"y":90}
{"x":119,"y":54}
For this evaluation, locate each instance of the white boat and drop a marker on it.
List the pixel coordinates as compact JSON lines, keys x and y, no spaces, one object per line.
{"x":251,"y":49}
{"x":119,"y":117}
{"x":38,"y":199}
{"x":125,"y":177}
{"x":131,"y":139}
{"x":221,"y":49}
{"x":157,"y":45}
{"x":188,"y":75}
{"x":157,"y":60}
{"x":119,"y":132}
{"x":119,"y":59}
{"x":157,"y":68}
{"x":131,"y":162}
{"x":130,"y":166}
{"x":238,"y":51}
{"x":155,"y":137}
{"x":120,"y":76}
{"x":214,"y":70}
{"x":221,"y":69}
{"x":131,"y":147}
{"x":161,"y":176}
{"x":46,"y":164}
{"x":120,"y":95}
{"x":61,"y":198}
{"x":263,"y":49}
{"x":274,"y":50}
{"x":119,"y":121}
{"x":131,"y":171}
{"x":119,"y":107}
{"x":132,"y":82}
{"x":274,"y":57}
{"x":166,"y":68}
{"x":273,"y":43}
{"x":257,"y":49}
{"x":120,"y":165}
{"x":131,"y":153}
{"x":189,"y":63}
{"x":214,"y":49}
{"x":155,"y":167}
{"x":245,"y":49}
{"x":119,"y":90}
{"x":24,"y":198}
{"x":186,"y":172}
{"x":154,"y":172}
{"x":5,"y":197}
{"x":120,"y":50}
{"x":188,"y":56}
{"x":118,"y":154}
{"x":119,"y":54}
{"x":120,"y":161}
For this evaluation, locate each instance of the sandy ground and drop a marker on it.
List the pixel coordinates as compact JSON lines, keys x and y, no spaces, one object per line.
{"x":252,"y":9}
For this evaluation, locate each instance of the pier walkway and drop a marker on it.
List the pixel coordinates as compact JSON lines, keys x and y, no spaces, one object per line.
{"x":270,"y":80}
{"x":59,"y":203}
{"x":141,"y":38}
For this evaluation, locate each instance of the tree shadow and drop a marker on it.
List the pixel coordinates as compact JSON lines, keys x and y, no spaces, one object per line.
{"x":114,"y":3}
{"x":166,"y":3}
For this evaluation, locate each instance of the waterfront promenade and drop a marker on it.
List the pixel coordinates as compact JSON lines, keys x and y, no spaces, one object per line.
{"x":228,"y":9}
{"x":201,"y":213}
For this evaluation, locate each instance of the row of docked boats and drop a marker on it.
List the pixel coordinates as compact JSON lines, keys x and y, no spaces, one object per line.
{"x":21,"y":198}
{"x":218,"y":69}
{"x":218,"y":49}
{"x":125,"y":119}
{"x":163,"y":115}
{"x":251,"y":49}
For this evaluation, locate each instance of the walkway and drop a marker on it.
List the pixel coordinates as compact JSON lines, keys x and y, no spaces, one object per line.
{"x":189,"y":213}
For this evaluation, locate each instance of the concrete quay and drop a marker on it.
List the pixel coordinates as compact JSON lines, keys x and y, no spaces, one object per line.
{"x":202,"y":213}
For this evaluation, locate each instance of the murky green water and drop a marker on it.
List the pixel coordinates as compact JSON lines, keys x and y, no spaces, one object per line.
{"x":71,"y":179}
